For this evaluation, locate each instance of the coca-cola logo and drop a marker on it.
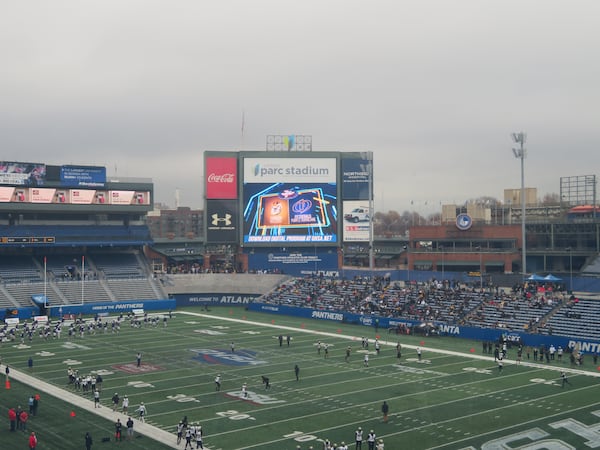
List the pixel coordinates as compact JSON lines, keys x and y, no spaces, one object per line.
{"x":221,"y":178}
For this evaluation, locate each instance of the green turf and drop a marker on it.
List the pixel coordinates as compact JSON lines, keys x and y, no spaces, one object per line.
{"x":56,"y":427}
{"x":445,"y":401}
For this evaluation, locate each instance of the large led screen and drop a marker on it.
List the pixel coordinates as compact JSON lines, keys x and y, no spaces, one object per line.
{"x":301,"y":208}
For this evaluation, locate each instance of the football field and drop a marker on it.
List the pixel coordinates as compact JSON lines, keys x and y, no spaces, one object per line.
{"x":453,"y":397}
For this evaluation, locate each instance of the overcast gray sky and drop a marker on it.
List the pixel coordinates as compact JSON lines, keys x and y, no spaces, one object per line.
{"x":433,"y":87}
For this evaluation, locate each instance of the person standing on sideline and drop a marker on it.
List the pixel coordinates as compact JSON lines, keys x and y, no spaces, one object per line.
{"x":36,"y":403}
{"x":180,"y":427}
{"x":326,"y":350}
{"x":318,"y":347}
{"x":30,"y":364}
{"x":188,"y":438}
{"x":232,"y":347}
{"x":199,"y":436}
{"x":118,"y":430}
{"x":218,"y":382}
{"x":500,"y":364}
{"x":398,"y":350}
{"x":358,"y":437}
{"x":297,"y":372}
{"x":33,"y":441}
{"x":565,"y":380}
{"x":348,"y":351}
{"x":23,"y":420}
{"x":280,"y":340}
{"x":419,"y":353}
{"x":287,"y":339}
{"x":125,"y":405}
{"x":96,"y":399}
{"x":88,"y":441}
{"x":138,"y":358}
{"x":371,"y":439}
{"x":366,"y":360}
{"x":115,"y":402}
{"x":12,"y":418}
{"x":129,"y":428}
{"x":142,"y":412}
{"x":385,"y":409}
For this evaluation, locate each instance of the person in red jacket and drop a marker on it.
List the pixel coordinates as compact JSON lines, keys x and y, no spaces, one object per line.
{"x":12,"y":418}
{"x":32,"y":441}
{"x":24,"y":416}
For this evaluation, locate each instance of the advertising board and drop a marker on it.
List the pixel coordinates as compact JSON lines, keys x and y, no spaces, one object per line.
{"x":355,"y":179}
{"x":83,"y":176}
{"x":356,"y":220}
{"x":221,"y":178}
{"x":290,"y":200}
{"x":72,"y":196}
{"x":222,"y":220}
{"x":20,"y":173}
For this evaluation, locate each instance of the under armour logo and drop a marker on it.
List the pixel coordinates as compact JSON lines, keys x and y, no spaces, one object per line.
{"x":216,"y":220}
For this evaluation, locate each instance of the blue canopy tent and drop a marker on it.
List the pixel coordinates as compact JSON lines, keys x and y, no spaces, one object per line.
{"x":552,"y":278}
{"x":536,"y":277}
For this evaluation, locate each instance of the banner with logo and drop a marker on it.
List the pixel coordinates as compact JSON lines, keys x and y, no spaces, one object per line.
{"x":355,"y":179}
{"x":222,"y":221}
{"x":356,"y":221}
{"x":221,"y":178}
{"x":22,"y":173}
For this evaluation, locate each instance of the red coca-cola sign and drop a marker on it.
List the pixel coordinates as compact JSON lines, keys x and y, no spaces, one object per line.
{"x":221,"y":178}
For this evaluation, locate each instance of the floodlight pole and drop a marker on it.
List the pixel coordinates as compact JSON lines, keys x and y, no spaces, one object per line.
{"x":520,"y":138}
{"x":370,"y":166}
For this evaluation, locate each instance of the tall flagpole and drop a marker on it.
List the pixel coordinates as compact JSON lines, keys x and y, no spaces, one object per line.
{"x":243,"y":124}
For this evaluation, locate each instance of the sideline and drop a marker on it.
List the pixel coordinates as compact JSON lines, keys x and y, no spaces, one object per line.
{"x":145,"y":429}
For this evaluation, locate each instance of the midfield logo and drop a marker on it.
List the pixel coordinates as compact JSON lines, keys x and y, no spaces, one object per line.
{"x":218,"y":356}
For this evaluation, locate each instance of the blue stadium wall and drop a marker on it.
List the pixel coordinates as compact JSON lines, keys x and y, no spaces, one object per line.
{"x":94,"y":308}
{"x":479,"y":334}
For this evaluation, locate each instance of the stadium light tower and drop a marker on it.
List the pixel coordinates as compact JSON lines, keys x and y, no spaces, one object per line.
{"x":371,"y":212}
{"x":520,"y":152}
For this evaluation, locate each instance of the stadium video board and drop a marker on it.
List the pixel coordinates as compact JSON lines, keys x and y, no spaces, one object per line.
{"x":83,"y":176}
{"x":290,"y":200}
{"x":22,"y":174}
